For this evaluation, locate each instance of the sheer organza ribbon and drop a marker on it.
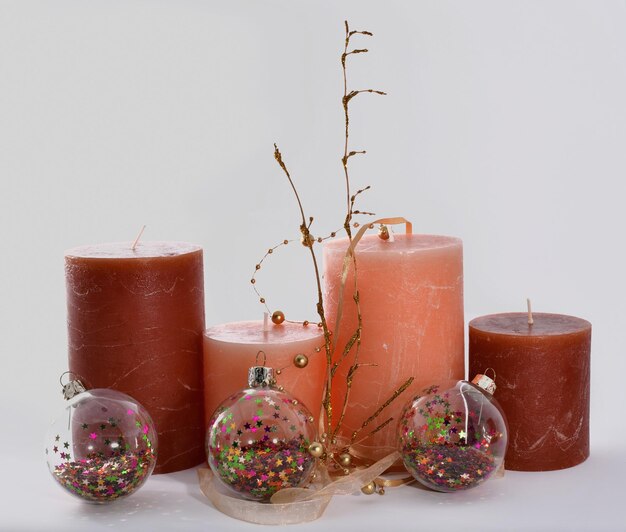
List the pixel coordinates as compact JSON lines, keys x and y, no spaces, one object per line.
{"x":291,"y":505}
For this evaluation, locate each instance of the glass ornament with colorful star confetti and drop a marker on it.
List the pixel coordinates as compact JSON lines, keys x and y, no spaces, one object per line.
{"x":258,"y":439}
{"x":103,"y":446}
{"x":453,"y":438}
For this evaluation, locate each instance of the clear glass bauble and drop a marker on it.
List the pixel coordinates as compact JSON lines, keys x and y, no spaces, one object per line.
{"x":452,"y":437}
{"x":257,"y":443}
{"x":102,"y":447}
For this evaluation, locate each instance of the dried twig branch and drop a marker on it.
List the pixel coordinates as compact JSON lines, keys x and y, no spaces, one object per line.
{"x":353,"y":344}
{"x":381,"y":408}
{"x":355,"y":339}
{"x":308,"y":241}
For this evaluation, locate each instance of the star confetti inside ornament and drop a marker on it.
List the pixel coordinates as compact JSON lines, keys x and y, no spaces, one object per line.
{"x":453,"y":438}
{"x":110,"y":441}
{"x":258,"y":439}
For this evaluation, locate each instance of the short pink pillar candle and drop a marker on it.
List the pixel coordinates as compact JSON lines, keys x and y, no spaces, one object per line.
{"x":231,"y":348}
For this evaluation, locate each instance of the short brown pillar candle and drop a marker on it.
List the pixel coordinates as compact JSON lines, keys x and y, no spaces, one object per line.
{"x":135,"y":324}
{"x":542,"y":363}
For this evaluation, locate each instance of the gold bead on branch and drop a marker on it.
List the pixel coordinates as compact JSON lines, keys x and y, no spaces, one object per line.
{"x":383,"y":232}
{"x":300,"y":361}
{"x":345,"y":459}
{"x":278,"y":317}
{"x":368,"y":489}
{"x":316,"y":450}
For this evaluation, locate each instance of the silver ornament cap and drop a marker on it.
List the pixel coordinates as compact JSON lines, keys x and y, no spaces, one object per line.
{"x":261,"y":377}
{"x":72,"y":388}
{"x":485,"y":383}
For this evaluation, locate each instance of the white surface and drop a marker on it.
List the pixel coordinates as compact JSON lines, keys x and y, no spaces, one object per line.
{"x":588,"y":497}
{"x":505,"y":125}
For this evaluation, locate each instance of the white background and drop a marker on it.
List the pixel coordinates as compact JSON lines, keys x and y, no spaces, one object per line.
{"x":505,"y":125}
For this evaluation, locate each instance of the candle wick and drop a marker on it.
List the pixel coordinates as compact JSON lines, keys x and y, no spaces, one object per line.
{"x":530,"y":312}
{"x":137,"y":239}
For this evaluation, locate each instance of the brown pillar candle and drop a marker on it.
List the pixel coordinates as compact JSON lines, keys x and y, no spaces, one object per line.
{"x":542,"y":364}
{"x":135,"y":324}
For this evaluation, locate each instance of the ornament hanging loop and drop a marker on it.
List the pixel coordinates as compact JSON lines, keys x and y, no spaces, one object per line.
{"x":494,"y":373}
{"x":72,"y":387}
{"x":64,"y":374}
{"x":264,"y":358}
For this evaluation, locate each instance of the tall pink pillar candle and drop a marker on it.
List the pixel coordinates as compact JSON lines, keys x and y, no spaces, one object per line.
{"x":231,"y":348}
{"x":411,"y":299}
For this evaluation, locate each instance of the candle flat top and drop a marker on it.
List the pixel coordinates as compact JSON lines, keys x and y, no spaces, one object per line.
{"x":516,"y":324}
{"x":251,"y":332}
{"x":403,"y":244}
{"x":123,"y":250}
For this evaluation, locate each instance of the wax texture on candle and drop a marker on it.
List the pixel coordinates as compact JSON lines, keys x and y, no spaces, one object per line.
{"x":135,"y":323}
{"x":543,"y":379}
{"x":411,"y":299}
{"x":230,"y":347}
